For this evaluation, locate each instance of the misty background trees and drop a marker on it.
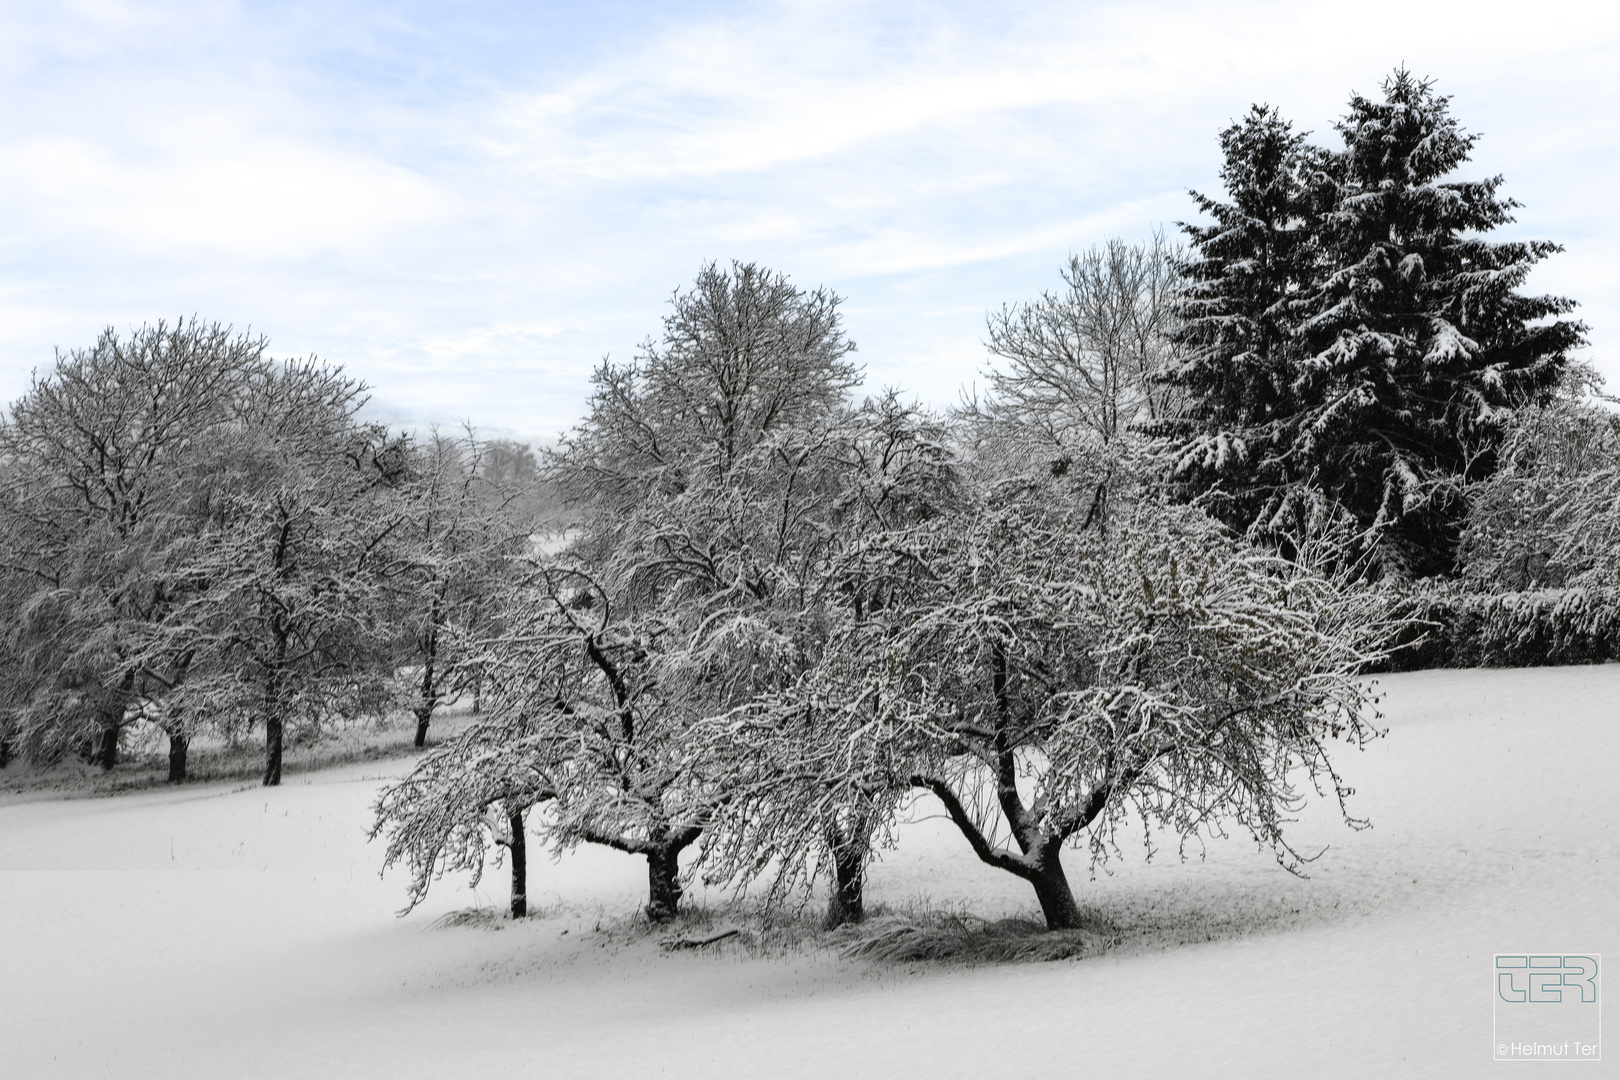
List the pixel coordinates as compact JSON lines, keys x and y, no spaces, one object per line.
{"x":749,"y":611}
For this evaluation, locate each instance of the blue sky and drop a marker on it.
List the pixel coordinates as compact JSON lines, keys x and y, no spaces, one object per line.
{"x":468,"y":205}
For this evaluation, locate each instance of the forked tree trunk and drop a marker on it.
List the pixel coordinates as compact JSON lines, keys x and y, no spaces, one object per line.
{"x":663,"y":882}
{"x":519,"y":848}
{"x":1039,"y":861}
{"x":178,"y":745}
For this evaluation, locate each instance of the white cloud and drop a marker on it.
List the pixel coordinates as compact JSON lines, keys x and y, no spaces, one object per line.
{"x":265,"y":200}
{"x":471,"y":221}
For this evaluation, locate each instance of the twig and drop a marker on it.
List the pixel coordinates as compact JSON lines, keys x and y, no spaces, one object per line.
{"x":698,"y":943}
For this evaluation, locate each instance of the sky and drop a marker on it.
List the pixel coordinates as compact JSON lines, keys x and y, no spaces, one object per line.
{"x":469,"y":205}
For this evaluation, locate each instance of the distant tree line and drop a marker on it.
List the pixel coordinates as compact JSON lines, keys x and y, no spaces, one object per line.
{"x":1137,"y":578}
{"x":212,"y":541}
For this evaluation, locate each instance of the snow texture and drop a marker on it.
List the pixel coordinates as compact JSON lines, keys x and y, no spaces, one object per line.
{"x":213,"y":931}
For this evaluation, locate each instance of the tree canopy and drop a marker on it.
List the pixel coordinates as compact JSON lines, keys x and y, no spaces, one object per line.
{"x":1354,"y":345}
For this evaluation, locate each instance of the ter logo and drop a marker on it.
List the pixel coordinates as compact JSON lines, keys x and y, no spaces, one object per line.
{"x":1533,"y":980}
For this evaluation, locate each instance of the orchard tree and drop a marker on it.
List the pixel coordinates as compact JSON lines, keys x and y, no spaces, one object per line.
{"x":466,"y":521}
{"x":102,"y":459}
{"x":464,"y":798}
{"x":1355,"y":344}
{"x":301,"y":545}
{"x":1047,"y":683}
{"x":692,"y":494}
{"x":791,"y":811}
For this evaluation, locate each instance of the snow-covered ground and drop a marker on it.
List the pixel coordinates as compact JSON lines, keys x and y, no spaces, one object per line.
{"x":221,"y":931}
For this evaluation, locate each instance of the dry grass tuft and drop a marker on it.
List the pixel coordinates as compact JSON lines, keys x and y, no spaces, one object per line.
{"x":964,"y":939}
{"x":480,"y":917}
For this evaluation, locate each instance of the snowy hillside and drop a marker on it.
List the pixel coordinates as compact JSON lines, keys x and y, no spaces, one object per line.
{"x":213,"y":931}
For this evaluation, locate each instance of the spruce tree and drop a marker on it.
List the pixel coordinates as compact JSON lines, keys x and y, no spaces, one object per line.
{"x":1400,"y":342}
{"x":1238,"y":314}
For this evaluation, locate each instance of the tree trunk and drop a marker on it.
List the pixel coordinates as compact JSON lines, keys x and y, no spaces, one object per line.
{"x":107,"y":745}
{"x":112,"y":723}
{"x":272,"y":712}
{"x":1052,"y":890}
{"x":272,"y":751}
{"x":847,"y":904}
{"x":424,"y":701}
{"x":663,"y":882}
{"x":520,"y":865}
{"x":178,"y":745}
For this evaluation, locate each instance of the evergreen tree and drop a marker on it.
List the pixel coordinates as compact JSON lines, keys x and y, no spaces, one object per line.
{"x":1389,"y":342}
{"x":1241,"y":293}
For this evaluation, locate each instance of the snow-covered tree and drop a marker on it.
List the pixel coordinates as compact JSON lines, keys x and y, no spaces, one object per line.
{"x":102,"y":458}
{"x":301,"y":530}
{"x":473,"y":793}
{"x":1550,"y":515}
{"x":1047,"y":682}
{"x":794,"y":808}
{"x":1354,"y":342}
{"x":693,"y":498}
{"x":1076,"y":374}
{"x":1077,"y":368}
{"x":1236,"y":320}
{"x":466,"y":522}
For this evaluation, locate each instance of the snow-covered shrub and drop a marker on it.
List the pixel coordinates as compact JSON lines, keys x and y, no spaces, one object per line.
{"x":1445,"y":625}
{"x":1550,"y":514}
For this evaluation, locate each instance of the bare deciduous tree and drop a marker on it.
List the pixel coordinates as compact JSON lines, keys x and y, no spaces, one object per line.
{"x":466,"y":520}
{"x":1078,"y":365}
{"x":692,"y":491}
{"x":103,"y":458}
{"x":1047,"y":683}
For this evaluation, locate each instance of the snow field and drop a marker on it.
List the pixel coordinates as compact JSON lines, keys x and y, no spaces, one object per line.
{"x":219,"y":931}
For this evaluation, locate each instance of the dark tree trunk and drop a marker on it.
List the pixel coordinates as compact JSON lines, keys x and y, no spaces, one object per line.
{"x":424,"y":701}
{"x":112,"y":723}
{"x":5,"y":753}
{"x":178,"y":745}
{"x":847,"y":904}
{"x":520,"y":865}
{"x":663,"y":882}
{"x":1052,"y":890}
{"x":272,"y":751}
{"x":107,"y":745}
{"x":272,"y":711}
